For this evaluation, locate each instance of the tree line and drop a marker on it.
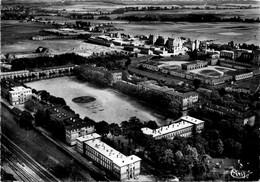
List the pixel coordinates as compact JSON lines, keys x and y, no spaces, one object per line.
{"x":185,"y":18}
{"x":108,"y":60}
{"x":157,"y":99}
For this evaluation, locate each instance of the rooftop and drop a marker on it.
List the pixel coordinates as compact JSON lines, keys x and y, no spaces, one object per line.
{"x":153,"y":63}
{"x":227,"y":51}
{"x":191,"y":120}
{"x":171,"y":67}
{"x":9,"y":83}
{"x":14,"y":72}
{"x":88,"y":137}
{"x":118,"y":158}
{"x":166,"y":129}
{"x":19,"y":89}
{"x":59,"y":113}
{"x":194,"y":62}
{"x":17,"y":111}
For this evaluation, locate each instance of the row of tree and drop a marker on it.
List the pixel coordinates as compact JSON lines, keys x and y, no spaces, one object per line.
{"x":86,"y":73}
{"x":185,"y":18}
{"x":158,"y":99}
{"x":110,"y":61}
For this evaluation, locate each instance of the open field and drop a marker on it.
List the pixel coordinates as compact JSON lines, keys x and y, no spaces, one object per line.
{"x":211,"y":71}
{"x":220,"y":32}
{"x":243,"y":13}
{"x":56,"y":47}
{"x":15,"y":31}
{"x":100,"y":109}
{"x":154,"y":2}
{"x":169,"y":63}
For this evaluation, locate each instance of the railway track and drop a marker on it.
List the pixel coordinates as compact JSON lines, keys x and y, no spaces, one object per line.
{"x":17,"y":166}
{"x":28,"y":161}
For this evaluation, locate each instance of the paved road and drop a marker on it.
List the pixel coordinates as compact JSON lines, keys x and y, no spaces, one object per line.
{"x":26,"y":164}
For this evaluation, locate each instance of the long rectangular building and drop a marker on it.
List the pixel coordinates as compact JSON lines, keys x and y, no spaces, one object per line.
{"x":194,"y":65}
{"x":184,"y":100}
{"x":123,"y":167}
{"x":182,"y":128}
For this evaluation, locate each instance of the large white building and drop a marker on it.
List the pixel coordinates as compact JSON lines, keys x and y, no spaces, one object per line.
{"x":20,"y":94}
{"x":80,"y":141}
{"x":79,"y":129}
{"x":183,"y":128}
{"x":14,"y":92}
{"x":123,"y":167}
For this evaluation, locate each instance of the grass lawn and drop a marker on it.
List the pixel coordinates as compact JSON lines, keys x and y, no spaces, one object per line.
{"x":210,"y":73}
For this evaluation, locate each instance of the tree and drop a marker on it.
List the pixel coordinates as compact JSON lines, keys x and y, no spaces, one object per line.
{"x":196,"y":83}
{"x":178,"y":155}
{"x":215,"y":95}
{"x":59,"y":100}
{"x":182,"y":168}
{"x":232,"y":148}
{"x":191,"y":154}
{"x":40,"y":118}
{"x":198,"y":170}
{"x":167,"y":158}
{"x":26,"y":120}
{"x":151,"y":124}
{"x":219,"y":147}
{"x":114,"y":129}
{"x":231,"y":44}
{"x":102,"y":128}
{"x":44,"y":95}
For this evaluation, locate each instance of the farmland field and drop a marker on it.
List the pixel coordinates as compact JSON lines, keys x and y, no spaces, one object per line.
{"x":243,"y":13}
{"x":15,"y":31}
{"x":220,"y":32}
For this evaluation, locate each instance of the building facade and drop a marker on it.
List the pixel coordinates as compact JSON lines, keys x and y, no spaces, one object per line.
{"x":123,"y":167}
{"x":183,"y":128}
{"x":14,"y":92}
{"x":150,"y":65}
{"x":183,"y":100}
{"x":76,"y":129}
{"x":227,"y":54}
{"x":12,"y":74}
{"x":194,"y":65}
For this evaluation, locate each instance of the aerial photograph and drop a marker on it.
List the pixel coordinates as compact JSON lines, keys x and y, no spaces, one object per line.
{"x":130,"y":90}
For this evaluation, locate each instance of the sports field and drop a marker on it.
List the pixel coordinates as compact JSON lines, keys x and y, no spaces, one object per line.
{"x":211,"y":71}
